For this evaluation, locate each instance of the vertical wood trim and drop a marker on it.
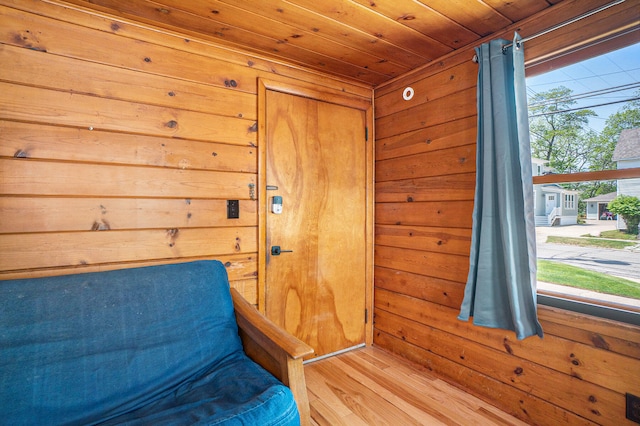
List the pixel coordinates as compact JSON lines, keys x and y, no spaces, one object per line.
{"x":261,"y":193}
{"x":339,"y":98}
{"x":370,"y":222}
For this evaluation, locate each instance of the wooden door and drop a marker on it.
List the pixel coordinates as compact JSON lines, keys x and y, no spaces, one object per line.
{"x":315,"y":156}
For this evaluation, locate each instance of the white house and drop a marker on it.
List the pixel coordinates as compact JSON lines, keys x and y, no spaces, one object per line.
{"x":627,"y":155}
{"x":597,"y":206}
{"x":553,"y":205}
{"x":540,"y":167}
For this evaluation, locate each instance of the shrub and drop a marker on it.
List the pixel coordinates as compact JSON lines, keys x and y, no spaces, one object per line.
{"x":628,"y":207}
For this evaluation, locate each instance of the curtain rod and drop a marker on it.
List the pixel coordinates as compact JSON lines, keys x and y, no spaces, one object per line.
{"x":563,"y":24}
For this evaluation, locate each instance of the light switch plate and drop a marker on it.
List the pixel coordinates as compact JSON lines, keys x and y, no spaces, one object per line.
{"x":233,"y":209}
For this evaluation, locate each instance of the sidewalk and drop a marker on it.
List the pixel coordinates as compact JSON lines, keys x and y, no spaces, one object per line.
{"x":592,"y":227}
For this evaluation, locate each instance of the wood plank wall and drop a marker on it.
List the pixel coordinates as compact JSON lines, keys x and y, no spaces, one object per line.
{"x":425,"y":177}
{"x":120,"y":144}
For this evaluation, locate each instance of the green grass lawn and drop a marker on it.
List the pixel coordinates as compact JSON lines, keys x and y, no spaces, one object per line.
{"x":572,"y":276}
{"x":591,"y":242}
{"x":618,"y":235}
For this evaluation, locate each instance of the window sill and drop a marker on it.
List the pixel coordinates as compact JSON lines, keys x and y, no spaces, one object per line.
{"x":626,"y":313}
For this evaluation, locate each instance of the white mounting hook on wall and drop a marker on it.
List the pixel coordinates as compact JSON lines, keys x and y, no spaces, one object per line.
{"x":407,"y":94}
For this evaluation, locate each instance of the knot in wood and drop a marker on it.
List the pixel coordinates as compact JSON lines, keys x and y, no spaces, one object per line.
{"x":599,"y":341}
{"x":102,"y":225}
{"x":507,"y":346}
{"x":407,"y":17}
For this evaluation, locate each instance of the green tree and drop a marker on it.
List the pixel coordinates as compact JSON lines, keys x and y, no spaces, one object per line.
{"x":564,"y":139}
{"x":556,"y":136}
{"x":628,"y":207}
{"x":628,"y":117}
{"x":601,"y":146}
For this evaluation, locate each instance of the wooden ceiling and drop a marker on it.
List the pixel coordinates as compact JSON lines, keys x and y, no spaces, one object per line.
{"x":371,"y":41}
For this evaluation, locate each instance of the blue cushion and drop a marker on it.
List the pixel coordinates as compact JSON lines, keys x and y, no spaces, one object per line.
{"x":85,"y":348}
{"x":237,"y":393}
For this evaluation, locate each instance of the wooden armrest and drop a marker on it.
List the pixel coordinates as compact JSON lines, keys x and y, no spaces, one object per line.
{"x":274,"y":349}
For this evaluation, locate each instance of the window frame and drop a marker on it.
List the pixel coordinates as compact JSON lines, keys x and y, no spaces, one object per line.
{"x":570,"y":201}
{"x":589,"y":37}
{"x":602,"y":309}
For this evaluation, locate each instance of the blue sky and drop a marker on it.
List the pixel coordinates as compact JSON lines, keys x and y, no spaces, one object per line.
{"x":617,"y":68}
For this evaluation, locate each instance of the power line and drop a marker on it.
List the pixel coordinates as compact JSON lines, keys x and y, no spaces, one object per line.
{"x":587,"y":94}
{"x":577,"y":79}
{"x":581,"y":108}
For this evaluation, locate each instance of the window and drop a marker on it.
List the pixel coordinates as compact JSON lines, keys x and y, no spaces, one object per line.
{"x":582,"y":125}
{"x":569,"y":202}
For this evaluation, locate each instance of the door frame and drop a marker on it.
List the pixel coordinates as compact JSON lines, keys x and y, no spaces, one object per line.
{"x":324,"y":94}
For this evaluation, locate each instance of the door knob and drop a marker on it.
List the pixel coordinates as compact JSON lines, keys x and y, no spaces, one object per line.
{"x":276,"y":250}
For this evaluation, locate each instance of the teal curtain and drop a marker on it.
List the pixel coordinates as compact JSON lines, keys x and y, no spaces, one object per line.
{"x":501,"y":286}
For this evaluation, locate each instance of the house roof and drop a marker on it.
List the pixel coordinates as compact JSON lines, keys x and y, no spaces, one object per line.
{"x":373,"y":41}
{"x":602,"y":198}
{"x":557,"y":189}
{"x":628,"y":146}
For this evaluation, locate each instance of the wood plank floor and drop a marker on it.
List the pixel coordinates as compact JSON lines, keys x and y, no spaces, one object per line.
{"x":370,"y":386}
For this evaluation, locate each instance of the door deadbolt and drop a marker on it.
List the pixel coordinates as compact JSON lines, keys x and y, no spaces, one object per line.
{"x":276,"y":250}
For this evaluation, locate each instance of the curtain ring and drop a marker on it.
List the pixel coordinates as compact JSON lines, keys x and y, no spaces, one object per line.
{"x":517,"y":41}
{"x":407,"y":94}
